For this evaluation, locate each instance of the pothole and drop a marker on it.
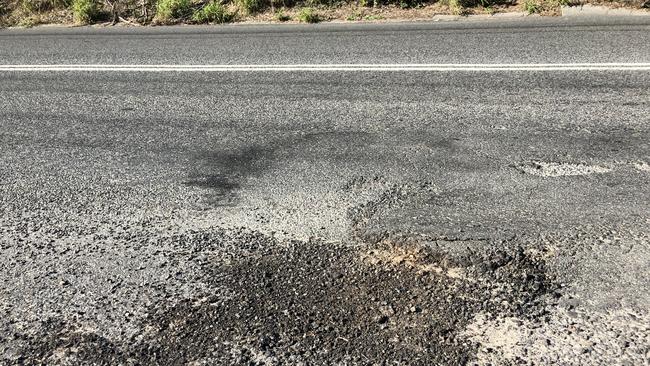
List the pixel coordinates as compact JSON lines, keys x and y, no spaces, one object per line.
{"x":62,"y":344}
{"x":323,"y":303}
{"x":551,"y":169}
{"x":318,"y":303}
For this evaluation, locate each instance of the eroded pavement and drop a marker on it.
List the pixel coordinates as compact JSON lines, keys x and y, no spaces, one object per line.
{"x":489,"y":220}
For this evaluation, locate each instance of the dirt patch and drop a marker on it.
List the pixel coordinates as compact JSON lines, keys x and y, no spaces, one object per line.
{"x":499,"y":338}
{"x":412,"y":257}
{"x":569,"y":337}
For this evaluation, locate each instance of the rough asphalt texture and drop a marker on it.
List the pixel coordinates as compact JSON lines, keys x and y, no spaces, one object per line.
{"x":326,"y":217}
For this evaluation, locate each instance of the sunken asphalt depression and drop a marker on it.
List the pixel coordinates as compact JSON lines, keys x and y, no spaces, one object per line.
{"x":310,"y":216}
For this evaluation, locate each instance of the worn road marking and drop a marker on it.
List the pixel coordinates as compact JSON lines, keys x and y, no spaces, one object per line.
{"x":336,"y":67}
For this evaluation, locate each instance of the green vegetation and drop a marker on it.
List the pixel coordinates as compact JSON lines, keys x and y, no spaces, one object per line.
{"x":359,"y":16}
{"x":543,"y":6}
{"x":28,"y":13}
{"x":531,"y":6}
{"x":170,"y":10}
{"x":84,"y":11}
{"x":33,"y":12}
{"x":354,"y":16}
{"x":40,"y":6}
{"x":281,"y":16}
{"x":213,"y":12}
{"x":404,"y":4}
{"x":29,"y":21}
{"x":35,"y":6}
{"x":251,"y":6}
{"x":455,"y":7}
{"x":308,"y":15}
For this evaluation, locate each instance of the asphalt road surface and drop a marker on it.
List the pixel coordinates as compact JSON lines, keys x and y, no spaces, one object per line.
{"x":327,"y":217}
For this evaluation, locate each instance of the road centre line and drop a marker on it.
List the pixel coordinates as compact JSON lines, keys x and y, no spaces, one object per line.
{"x":332,"y":67}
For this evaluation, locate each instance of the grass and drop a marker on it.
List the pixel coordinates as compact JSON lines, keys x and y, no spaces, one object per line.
{"x":84,"y":11}
{"x":28,"y":13}
{"x":354,"y":16}
{"x":406,"y":4}
{"x":455,"y":7}
{"x":29,"y":21}
{"x":309,"y":15}
{"x":34,"y":12}
{"x":213,"y":12}
{"x":531,"y":6}
{"x":281,"y":16}
{"x":40,"y":6}
{"x":251,"y":6}
{"x":490,"y":9}
{"x":170,"y":10}
{"x":543,"y":6}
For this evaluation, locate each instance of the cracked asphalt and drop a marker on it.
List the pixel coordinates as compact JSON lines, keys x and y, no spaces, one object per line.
{"x":272,"y":218}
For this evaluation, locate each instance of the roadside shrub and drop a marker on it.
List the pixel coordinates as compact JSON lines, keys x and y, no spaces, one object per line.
{"x":251,"y":6}
{"x":84,"y":11}
{"x":308,"y":15}
{"x":213,"y":12}
{"x":167,"y":10}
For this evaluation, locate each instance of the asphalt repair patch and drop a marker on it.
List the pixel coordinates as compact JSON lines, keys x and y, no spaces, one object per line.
{"x":322,"y":303}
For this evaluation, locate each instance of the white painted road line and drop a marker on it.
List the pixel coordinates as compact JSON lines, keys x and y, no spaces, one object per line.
{"x":336,"y":67}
